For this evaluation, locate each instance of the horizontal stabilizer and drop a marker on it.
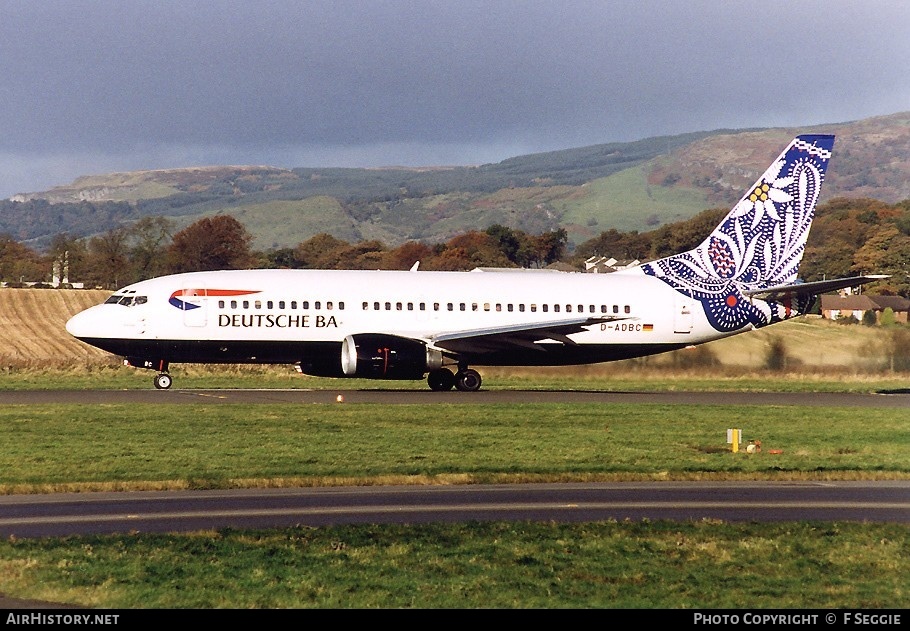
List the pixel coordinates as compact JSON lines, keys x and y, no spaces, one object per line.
{"x":775,"y":294}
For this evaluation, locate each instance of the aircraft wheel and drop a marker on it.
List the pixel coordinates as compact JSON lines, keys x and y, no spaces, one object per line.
{"x":441,"y":380}
{"x":468,"y":380}
{"x":163,"y":381}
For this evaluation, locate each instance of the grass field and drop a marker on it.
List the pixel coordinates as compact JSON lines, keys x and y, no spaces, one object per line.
{"x":644,"y":565}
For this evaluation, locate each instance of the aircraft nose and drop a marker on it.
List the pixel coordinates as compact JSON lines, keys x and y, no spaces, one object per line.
{"x":81,"y":324}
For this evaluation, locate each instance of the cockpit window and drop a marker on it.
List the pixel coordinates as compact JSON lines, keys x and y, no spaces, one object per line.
{"x":127,"y":301}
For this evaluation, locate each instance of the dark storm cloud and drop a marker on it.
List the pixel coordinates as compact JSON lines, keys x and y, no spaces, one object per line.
{"x":111,"y":85}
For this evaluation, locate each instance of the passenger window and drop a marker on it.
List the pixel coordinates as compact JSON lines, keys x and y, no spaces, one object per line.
{"x":281,"y":304}
{"x":376,"y":306}
{"x":509,"y":307}
{"x":474,"y":306}
{"x":450,"y":306}
{"x":305,"y":304}
{"x":544,"y":308}
{"x":317,"y":304}
{"x":233,"y":304}
{"x":398,"y":306}
{"x":435,"y":306}
{"x":246,"y":304}
{"x":628,"y":309}
{"x":366,"y":306}
{"x":269,"y":305}
{"x":293,"y":304}
{"x":328,"y":305}
{"x":556,"y":308}
{"x":257,"y":304}
{"x":410,"y":306}
{"x":568,"y":308}
{"x":341,"y":306}
{"x":462,"y":306}
{"x":388,"y":306}
{"x":521,"y":308}
{"x":221,"y":304}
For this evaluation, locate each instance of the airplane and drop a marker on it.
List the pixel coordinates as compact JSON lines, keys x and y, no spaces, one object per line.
{"x":384,"y":324}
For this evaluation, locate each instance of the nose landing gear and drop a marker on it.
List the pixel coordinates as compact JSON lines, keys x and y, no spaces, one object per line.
{"x":163,"y":381}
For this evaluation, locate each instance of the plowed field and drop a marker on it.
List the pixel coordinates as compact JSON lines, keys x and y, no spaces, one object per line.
{"x":33,"y":328}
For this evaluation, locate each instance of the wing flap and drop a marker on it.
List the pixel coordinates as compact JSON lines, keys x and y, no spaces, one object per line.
{"x":517,"y":335}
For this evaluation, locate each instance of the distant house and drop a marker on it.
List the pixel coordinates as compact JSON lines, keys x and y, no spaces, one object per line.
{"x":603,"y":264}
{"x":835,"y":307}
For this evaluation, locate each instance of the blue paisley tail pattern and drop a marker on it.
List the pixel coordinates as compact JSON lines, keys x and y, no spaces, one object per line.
{"x":759,"y":244}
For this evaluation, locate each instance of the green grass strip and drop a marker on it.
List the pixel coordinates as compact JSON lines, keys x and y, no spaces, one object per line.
{"x":194,"y":445}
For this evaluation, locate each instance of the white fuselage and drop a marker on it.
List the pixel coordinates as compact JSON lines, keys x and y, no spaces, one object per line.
{"x":287,"y":307}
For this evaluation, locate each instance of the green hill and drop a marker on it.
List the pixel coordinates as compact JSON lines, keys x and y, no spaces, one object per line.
{"x":627,"y":186}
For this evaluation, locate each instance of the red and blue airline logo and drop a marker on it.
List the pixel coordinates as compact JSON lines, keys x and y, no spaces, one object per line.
{"x":183,"y":305}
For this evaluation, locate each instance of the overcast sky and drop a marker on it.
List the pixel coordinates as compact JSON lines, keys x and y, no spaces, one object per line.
{"x":115,"y":85}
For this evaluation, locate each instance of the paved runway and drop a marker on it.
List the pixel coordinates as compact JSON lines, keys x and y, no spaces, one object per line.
{"x":62,"y":514}
{"x":895,"y":399}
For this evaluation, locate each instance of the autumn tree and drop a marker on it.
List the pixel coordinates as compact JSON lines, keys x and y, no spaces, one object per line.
{"x":107,"y":260}
{"x":404,"y":256}
{"x":320,"y":251}
{"x":20,"y":263}
{"x":150,"y":238}
{"x":467,"y":251}
{"x":547,"y":248}
{"x":362,"y":255}
{"x":509,"y":242}
{"x":212,"y":243}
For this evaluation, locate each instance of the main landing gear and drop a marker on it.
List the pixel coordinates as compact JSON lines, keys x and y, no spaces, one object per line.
{"x":465,"y":380}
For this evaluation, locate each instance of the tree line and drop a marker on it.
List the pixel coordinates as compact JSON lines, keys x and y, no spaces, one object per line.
{"x":150,"y":247}
{"x":849,"y":236}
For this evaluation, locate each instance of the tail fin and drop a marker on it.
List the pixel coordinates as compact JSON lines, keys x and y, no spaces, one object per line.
{"x":759,"y":244}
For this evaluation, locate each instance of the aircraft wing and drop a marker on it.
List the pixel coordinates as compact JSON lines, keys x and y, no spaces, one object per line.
{"x":813,"y":289}
{"x":524,"y":335}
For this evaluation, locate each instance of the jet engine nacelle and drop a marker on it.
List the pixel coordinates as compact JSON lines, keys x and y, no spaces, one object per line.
{"x":380,"y":356}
